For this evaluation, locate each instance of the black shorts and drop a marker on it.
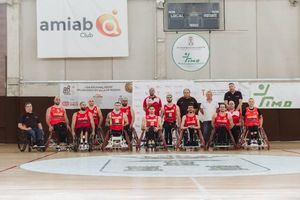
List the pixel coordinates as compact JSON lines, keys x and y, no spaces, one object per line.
{"x":169,"y":125}
{"x":83,"y":129}
{"x":222,"y":130}
{"x":151,"y":134}
{"x":253,"y":128}
{"x":116,"y":133}
{"x":60,"y":128}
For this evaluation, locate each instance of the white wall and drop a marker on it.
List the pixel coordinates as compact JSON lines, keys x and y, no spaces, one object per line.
{"x":261,"y":40}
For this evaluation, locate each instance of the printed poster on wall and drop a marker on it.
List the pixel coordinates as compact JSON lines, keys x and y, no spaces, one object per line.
{"x":105,"y":94}
{"x":77,"y":28}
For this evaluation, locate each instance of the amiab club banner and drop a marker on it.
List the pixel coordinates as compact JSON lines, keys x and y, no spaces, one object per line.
{"x":77,"y":28}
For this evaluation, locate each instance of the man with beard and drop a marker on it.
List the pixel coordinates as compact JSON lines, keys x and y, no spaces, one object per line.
{"x":96,"y":112}
{"x":98,"y":119}
{"x":57,"y":120}
{"x":184,"y":102}
{"x":83,"y":124}
{"x":152,"y":100}
{"x":171,"y":117}
{"x":116,"y":120}
{"x":127,"y":109}
{"x":190,"y":125}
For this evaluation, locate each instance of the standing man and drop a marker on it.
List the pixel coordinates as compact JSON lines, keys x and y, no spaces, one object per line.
{"x":127,"y":109}
{"x":185,"y":101}
{"x":98,"y":118}
{"x":208,"y":108}
{"x":96,"y":112}
{"x":235,"y":96}
{"x":152,"y":100}
{"x":31,"y":124}
{"x":57,"y":120}
{"x":171,"y":117}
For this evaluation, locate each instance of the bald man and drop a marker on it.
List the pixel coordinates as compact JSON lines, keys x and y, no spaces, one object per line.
{"x":57,"y":120}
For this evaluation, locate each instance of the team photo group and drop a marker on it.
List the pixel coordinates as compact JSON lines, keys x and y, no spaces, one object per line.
{"x":181,"y":125}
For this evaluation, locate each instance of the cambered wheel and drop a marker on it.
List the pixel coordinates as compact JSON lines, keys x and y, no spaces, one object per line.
{"x":22,"y":141}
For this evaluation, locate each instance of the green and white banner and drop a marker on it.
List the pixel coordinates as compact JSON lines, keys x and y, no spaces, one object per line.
{"x":273,"y":95}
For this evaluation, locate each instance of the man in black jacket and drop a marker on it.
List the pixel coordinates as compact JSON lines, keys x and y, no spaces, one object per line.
{"x":31,"y":124}
{"x":185,"y":101}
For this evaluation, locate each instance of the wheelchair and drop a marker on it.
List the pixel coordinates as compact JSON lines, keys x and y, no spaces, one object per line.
{"x":133,"y":137}
{"x":52,"y":141}
{"x":191,"y":139}
{"x":152,"y":140}
{"x":116,"y":141}
{"x":174,"y":136}
{"x":86,"y":145}
{"x":24,"y":141}
{"x":254,"y":138}
{"x":98,"y":139}
{"x":221,"y":138}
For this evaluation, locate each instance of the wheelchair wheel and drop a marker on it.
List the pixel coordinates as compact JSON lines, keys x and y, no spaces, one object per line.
{"x":91,"y":142}
{"x":22,"y":141}
{"x":76,"y":144}
{"x":98,"y":139}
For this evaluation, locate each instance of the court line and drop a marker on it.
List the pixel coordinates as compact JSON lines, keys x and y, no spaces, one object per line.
{"x":290,"y":151}
{"x":14,"y":166}
{"x":200,"y":188}
{"x":105,"y":165}
{"x":268,"y":169}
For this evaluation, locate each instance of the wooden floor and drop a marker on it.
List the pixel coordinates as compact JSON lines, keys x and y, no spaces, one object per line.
{"x":17,"y":183}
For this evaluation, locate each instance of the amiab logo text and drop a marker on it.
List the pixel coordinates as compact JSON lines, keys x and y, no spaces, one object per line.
{"x":106,"y":24}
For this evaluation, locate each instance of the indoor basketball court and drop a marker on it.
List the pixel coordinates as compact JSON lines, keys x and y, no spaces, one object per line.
{"x":149,"y":99}
{"x":270,"y":174}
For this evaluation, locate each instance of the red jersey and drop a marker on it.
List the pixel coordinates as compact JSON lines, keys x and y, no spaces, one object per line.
{"x":116,"y":121}
{"x":236,"y":116}
{"x":222,"y":120}
{"x":151,"y":121}
{"x":252,"y":117}
{"x":190,"y":120}
{"x":82,"y":120}
{"x":155,"y":101}
{"x":127,"y":111}
{"x":57,"y":115}
{"x":95,"y":114}
{"x":170,"y":113}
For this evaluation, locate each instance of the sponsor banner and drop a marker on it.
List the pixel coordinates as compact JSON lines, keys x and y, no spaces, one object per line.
{"x":276,"y":95}
{"x":272,"y":95}
{"x":105,"y":94}
{"x":190,"y":52}
{"x":76,"y":28}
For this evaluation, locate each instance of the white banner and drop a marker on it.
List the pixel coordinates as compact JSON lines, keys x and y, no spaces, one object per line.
{"x":219,"y":89}
{"x":276,"y":95}
{"x":105,"y":94}
{"x":273,"y":95}
{"x":77,"y":28}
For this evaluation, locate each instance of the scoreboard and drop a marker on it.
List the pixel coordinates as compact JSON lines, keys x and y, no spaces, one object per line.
{"x":193,"y":16}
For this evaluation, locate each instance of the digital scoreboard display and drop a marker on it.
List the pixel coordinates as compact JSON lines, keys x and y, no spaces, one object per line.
{"x":193,"y":16}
